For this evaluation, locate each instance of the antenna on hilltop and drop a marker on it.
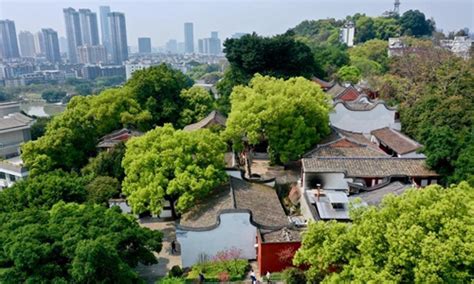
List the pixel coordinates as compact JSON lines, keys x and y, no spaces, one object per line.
{"x":396,"y":7}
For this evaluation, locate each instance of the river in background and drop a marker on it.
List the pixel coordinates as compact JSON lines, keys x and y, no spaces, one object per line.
{"x":41,"y":108}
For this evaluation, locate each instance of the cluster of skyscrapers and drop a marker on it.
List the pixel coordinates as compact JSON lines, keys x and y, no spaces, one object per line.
{"x":82,"y":39}
{"x":45,"y":43}
{"x":82,"y":33}
{"x":207,"y":46}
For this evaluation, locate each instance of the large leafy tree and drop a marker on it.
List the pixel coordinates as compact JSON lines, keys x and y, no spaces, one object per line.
{"x":350,"y":74}
{"x":71,"y":137}
{"x":175,"y":165}
{"x":43,"y":191}
{"x":365,"y":29}
{"x":414,"y":23}
{"x":437,"y":106}
{"x":291,"y":115}
{"x":280,"y":56}
{"x":423,"y":236}
{"x":157,"y":89}
{"x":73,"y":243}
{"x":197,"y":104}
{"x":375,"y":50}
{"x":107,"y":163}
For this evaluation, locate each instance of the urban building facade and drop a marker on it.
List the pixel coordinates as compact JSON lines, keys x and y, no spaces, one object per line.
{"x":73,"y":33}
{"x":347,"y":34}
{"x":105,"y":28}
{"x":92,"y":54}
{"x":118,"y":32}
{"x":188,"y":38}
{"x":8,"y":40}
{"x":27,"y":44}
{"x":172,"y":46}
{"x":89,"y":27}
{"x":144,"y":45}
{"x":51,"y":45}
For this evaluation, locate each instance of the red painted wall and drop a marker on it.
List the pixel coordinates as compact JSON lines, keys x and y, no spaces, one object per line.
{"x":349,"y":95}
{"x":268,"y":256}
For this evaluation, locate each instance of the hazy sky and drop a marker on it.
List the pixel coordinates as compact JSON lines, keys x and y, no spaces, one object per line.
{"x":163,"y":19}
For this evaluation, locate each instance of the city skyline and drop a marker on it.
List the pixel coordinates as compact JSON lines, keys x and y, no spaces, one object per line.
{"x":227,"y":17}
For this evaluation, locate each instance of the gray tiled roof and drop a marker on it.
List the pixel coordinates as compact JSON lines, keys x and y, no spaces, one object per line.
{"x":374,"y":197}
{"x":206,"y":212}
{"x":397,"y":141}
{"x":281,"y":235}
{"x":213,"y":118}
{"x":369,"y":166}
{"x":261,"y":200}
{"x":363,"y":106}
{"x":15,"y":121}
{"x":336,"y":90}
{"x":356,"y":150}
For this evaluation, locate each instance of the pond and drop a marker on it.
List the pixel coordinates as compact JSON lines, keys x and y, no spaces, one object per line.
{"x":41,"y":109}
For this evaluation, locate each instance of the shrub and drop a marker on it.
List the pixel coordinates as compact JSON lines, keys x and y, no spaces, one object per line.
{"x":175,"y":271}
{"x":215,"y":271}
{"x":293,"y":276}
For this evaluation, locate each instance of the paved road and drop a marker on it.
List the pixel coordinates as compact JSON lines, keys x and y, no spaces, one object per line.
{"x":165,"y":259}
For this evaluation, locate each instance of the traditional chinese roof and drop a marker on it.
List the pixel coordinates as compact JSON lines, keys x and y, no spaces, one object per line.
{"x":259,"y":200}
{"x":339,"y":92}
{"x":283,"y":235}
{"x":344,"y":147}
{"x":374,"y":197}
{"x":15,"y":121}
{"x":363,"y":105}
{"x":213,"y":118}
{"x":341,"y":143}
{"x":395,"y":140}
{"x":324,"y":84}
{"x":369,"y":166}
{"x":116,"y":137}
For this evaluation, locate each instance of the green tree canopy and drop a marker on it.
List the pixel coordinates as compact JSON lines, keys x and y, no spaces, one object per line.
{"x":292,"y":115}
{"x":71,"y":136}
{"x":39,"y":127}
{"x":107,"y":163}
{"x":365,"y":29}
{"x":375,"y":50}
{"x":101,"y":189}
{"x":74,"y":243}
{"x":280,"y":56}
{"x":349,"y":74}
{"x":321,"y":31}
{"x":43,"y":191}
{"x":414,"y":23}
{"x":172,"y":164}
{"x":422,"y":236}
{"x":197,"y":104}
{"x":157,"y":89}
{"x":53,"y":96}
{"x":437,"y":106}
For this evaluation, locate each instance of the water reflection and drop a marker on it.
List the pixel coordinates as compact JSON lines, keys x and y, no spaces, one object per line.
{"x":41,"y":109}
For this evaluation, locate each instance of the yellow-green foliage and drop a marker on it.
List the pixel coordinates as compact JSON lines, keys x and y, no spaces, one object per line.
{"x":423,"y":236}
{"x":292,"y":115}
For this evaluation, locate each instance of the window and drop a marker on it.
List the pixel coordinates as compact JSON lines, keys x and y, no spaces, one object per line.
{"x":12,"y":178}
{"x":2,"y":175}
{"x":338,"y":206}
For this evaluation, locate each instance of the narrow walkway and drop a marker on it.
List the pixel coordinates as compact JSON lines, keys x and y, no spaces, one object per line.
{"x":166,"y":260}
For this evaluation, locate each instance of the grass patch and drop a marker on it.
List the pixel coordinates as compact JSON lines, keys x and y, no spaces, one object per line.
{"x":216,"y":271}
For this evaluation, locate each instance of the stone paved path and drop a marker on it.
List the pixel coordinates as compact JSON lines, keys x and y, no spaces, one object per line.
{"x":165,"y":259}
